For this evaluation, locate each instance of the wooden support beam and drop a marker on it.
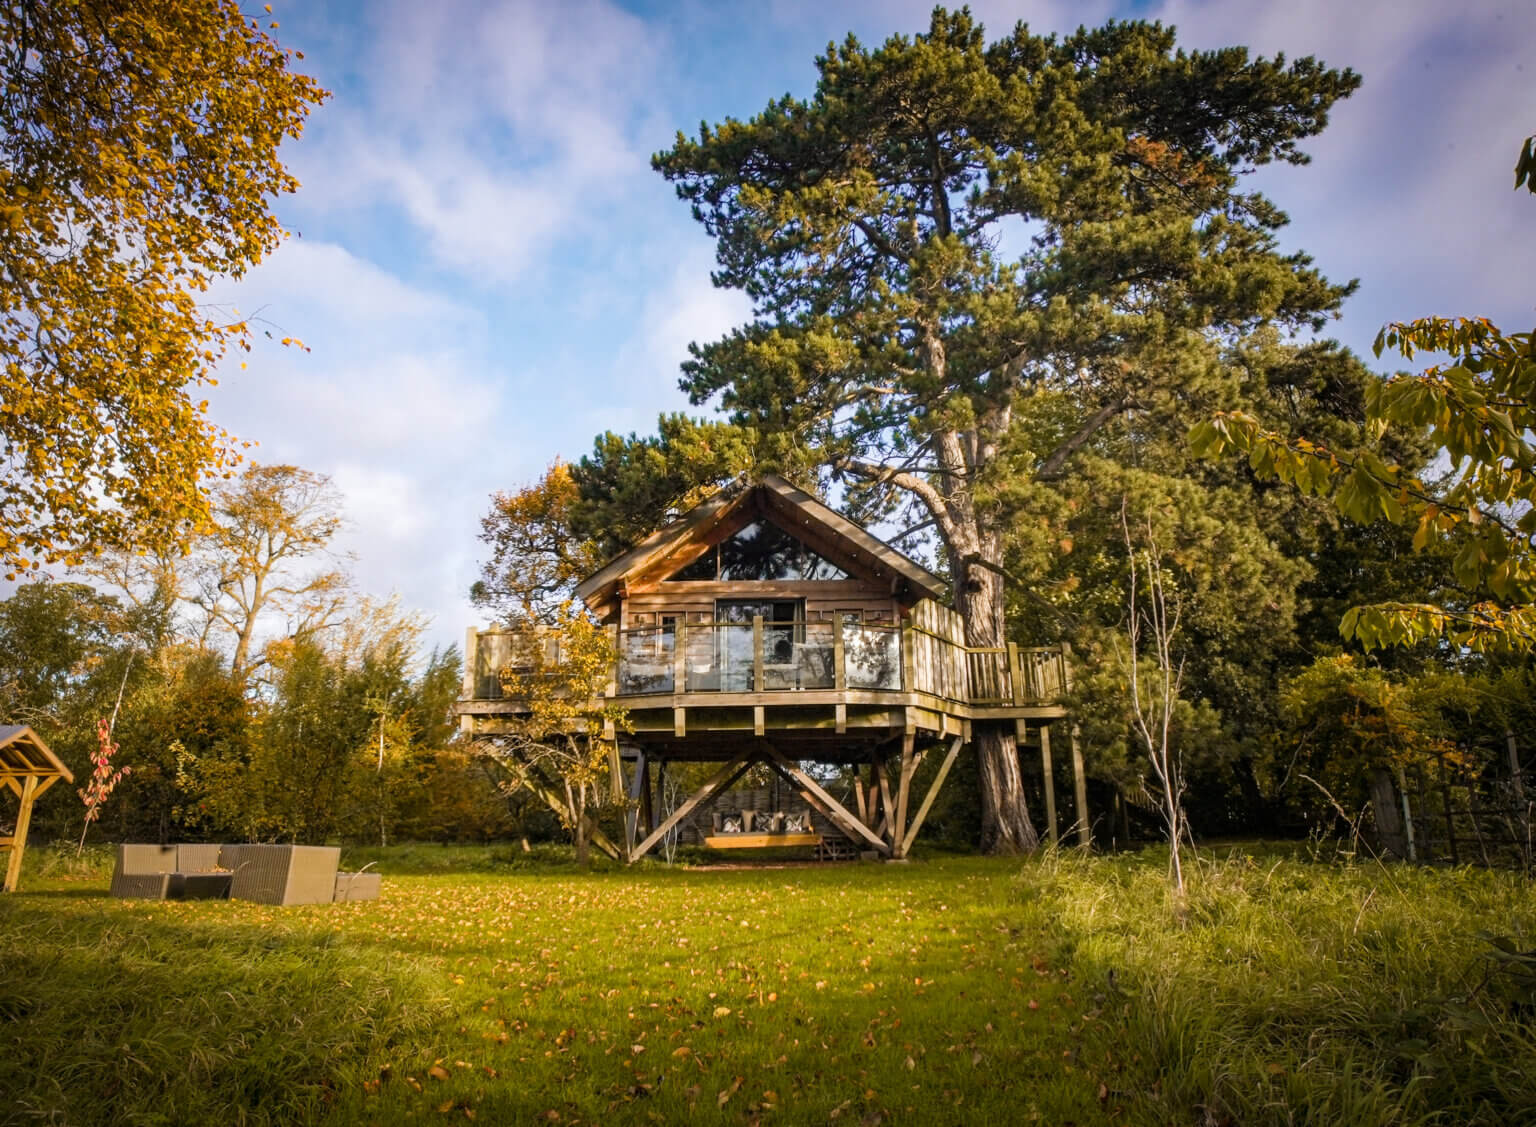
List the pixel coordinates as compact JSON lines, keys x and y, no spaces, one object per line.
{"x":840,"y":718}
{"x":903,"y":790}
{"x":885,"y":801}
{"x":680,"y":723}
{"x":859,"y":801}
{"x":647,"y":803}
{"x":680,"y":655}
{"x":632,"y":810}
{"x":758,"y":684}
{"x":1080,"y":791}
{"x":19,"y":838}
{"x":1050,"y":784}
{"x":839,"y":814}
{"x":933,"y":793}
{"x":536,"y":781}
{"x":757,"y":720}
{"x":727,"y":774}
{"x":829,"y":812}
{"x":615,"y":774}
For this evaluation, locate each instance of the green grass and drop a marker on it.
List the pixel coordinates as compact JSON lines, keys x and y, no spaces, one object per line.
{"x":507,"y":987}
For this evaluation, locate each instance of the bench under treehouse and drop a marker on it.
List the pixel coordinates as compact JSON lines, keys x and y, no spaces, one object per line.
{"x":763,"y":629}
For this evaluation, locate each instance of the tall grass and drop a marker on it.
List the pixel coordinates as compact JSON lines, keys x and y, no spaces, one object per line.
{"x":1286,"y":991}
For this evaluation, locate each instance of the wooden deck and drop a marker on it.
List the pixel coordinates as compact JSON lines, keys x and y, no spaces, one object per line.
{"x":682,"y":681}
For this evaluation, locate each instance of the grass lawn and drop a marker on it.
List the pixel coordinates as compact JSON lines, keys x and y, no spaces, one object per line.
{"x":952,"y":990}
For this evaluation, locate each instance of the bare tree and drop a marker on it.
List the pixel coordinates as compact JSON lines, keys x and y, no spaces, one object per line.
{"x":1153,"y":624}
{"x":271,"y":526}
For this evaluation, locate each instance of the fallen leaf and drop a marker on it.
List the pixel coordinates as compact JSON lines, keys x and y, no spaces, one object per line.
{"x":726,"y":1093}
{"x":438,"y":1072}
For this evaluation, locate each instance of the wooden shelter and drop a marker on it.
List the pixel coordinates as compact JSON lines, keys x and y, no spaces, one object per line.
{"x":28,"y":768}
{"x":764,"y":628}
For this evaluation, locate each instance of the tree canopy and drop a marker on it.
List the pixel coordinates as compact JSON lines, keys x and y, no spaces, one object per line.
{"x":138,"y":161}
{"x":971,"y":262}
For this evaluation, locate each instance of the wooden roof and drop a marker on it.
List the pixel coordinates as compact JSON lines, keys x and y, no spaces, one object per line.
{"x":23,"y":753}
{"x":793,"y":510}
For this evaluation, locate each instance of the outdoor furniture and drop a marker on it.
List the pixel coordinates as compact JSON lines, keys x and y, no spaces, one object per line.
{"x":266,"y":874}
{"x":161,"y":872}
{"x":282,"y":874}
{"x":357,"y":886}
{"x":143,"y":872}
{"x":760,"y":830}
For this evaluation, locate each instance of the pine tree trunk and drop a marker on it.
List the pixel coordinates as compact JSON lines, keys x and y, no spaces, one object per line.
{"x":1005,"y":824}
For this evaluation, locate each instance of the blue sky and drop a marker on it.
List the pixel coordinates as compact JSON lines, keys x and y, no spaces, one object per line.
{"x":488,"y":273}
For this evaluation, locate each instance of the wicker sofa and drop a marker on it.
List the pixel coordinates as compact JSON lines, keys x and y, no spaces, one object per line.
{"x":265,"y":874}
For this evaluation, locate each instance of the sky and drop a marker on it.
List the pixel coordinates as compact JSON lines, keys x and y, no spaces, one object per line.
{"x":487,"y":273}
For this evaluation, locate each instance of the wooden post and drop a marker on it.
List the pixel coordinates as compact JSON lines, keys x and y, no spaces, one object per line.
{"x":1015,"y":675}
{"x":1080,"y":791}
{"x":19,"y":838}
{"x":1050,"y":784}
{"x":727,"y":774}
{"x":757,"y":654}
{"x":632,"y":811}
{"x":903,"y":790}
{"x":858,"y":800}
{"x":611,"y":688}
{"x":647,"y":805}
{"x":885,"y":795}
{"x":908,"y":658}
{"x":933,"y":793}
{"x":680,"y":656}
{"x":839,"y":660}
{"x":809,"y":788}
{"x":1402,"y":786}
{"x":471,"y":643}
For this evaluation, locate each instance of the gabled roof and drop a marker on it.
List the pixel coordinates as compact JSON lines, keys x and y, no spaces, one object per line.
{"x":23,"y":753}
{"x":790,"y":508}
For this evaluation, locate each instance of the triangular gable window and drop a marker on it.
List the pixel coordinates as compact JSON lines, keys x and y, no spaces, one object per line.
{"x":757,"y":552}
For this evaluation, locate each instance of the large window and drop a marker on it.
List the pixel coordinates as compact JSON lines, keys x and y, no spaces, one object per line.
{"x":760,"y":551}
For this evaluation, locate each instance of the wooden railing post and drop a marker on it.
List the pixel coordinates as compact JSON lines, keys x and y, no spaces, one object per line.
{"x":680,"y":656}
{"x":471,"y":645}
{"x":839,"y":659}
{"x":908,"y":637}
{"x":1015,"y":687}
{"x":1048,"y":768}
{"x":612,"y":688}
{"x":757,"y":653}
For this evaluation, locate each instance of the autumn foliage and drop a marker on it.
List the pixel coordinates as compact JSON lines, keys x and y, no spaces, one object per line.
{"x":138,"y":164}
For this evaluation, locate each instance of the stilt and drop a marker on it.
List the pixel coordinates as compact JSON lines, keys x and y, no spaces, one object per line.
{"x":632,"y":811}
{"x":19,"y":838}
{"x":903,"y":791}
{"x":1049,"y":770}
{"x":1080,"y":791}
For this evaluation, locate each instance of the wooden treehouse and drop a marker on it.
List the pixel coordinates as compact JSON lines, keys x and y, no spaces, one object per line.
{"x":764,"y":628}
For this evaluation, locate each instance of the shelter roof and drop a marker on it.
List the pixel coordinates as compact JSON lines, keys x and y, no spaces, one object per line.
{"x":23,"y":753}
{"x":793,"y":510}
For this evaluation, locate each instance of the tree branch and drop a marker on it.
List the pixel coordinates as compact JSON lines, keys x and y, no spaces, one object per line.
{"x":1051,"y":469}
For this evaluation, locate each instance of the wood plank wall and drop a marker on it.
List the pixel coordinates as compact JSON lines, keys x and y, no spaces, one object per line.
{"x":938,"y":651}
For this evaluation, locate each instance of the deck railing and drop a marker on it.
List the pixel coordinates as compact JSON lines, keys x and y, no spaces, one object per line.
{"x":779,"y":657}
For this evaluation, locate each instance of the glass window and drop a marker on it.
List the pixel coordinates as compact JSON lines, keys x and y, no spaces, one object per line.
{"x":760,"y":551}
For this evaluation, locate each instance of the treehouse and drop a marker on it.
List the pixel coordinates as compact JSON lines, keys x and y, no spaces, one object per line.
{"x":764,"y":628}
